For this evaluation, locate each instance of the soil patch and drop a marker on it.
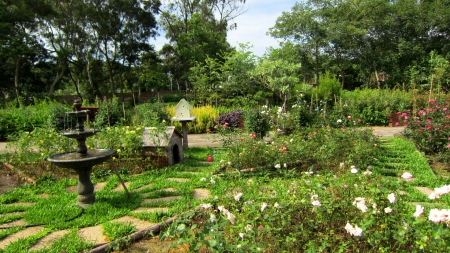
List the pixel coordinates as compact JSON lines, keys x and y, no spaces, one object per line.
{"x":9,"y":180}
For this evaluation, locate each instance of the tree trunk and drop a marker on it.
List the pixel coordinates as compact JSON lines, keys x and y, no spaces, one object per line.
{"x":378,"y":79}
{"x":16,"y":80}
{"x":57,"y":78}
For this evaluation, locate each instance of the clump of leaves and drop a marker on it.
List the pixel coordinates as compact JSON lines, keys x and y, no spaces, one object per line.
{"x":117,"y":230}
{"x":231,"y":119}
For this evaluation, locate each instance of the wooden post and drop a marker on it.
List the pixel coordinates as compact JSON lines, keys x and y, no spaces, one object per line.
{"x":185,"y":138}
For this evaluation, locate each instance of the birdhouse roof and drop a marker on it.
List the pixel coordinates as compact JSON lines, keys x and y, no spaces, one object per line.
{"x":154,"y":138}
{"x":185,"y":103}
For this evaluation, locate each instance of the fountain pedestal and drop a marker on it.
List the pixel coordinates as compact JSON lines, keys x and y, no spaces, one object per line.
{"x":83,"y":159}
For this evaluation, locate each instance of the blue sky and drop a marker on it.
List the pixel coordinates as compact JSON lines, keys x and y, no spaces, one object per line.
{"x":253,"y":24}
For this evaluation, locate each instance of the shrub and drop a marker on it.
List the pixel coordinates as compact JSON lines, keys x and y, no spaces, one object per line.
{"x":150,"y":114}
{"x":256,"y":122}
{"x":205,"y":119}
{"x":231,"y":119}
{"x":110,"y":113}
{"x":429,"y":129}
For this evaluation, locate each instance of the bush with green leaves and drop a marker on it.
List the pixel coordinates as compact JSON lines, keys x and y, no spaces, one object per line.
{"x":429,"y":128}
{"x":150,"y":114}
{"x":328,"y":89}
{"x":42,"y":113}
{"x":256,"y":123}
{"x":369,"y":106}
{"x":312,"y":149}
{"x":110,"y":113}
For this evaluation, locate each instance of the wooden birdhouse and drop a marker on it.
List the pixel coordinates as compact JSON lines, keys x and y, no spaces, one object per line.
{"x":164,"y":147}
{"x":183,"y":111}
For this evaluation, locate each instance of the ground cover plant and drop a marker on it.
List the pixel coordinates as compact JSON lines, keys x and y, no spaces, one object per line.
{"x":334,"y":201}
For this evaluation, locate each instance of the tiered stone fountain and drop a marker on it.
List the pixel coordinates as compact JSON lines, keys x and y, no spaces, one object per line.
{"x":82,"y":160}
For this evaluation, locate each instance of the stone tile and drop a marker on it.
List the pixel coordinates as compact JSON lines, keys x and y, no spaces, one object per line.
{"x":120,"y":186}
{"x":27,"y":204}
{"x":16,"y":223}
{"x":425,"y":190}
{"x":138,"y":223}
{"x":201,"y":193}
{"x":169,"y":189}
{"x":99,"y":186}
{"x":143,"y":187}
{"x":181,"y":180}
{"x":93,"y":234}
{"x":151,"y":209}
{"x":19,"y":235}
{"x":164,"y":199}
{"x":49,"y":239}
{"x":71,"y":189}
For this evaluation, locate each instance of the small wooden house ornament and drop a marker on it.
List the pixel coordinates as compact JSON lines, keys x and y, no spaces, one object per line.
{"x":183,"y":111}
{"x":183,"y":114}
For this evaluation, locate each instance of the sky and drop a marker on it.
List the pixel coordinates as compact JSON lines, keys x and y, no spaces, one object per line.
{"x":253,"y":25}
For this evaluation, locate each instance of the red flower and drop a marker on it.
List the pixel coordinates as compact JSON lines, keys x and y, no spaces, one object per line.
{"x":209,"y":159}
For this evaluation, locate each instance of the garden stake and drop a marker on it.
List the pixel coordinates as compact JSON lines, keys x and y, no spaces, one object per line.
{"x":120,"y":180}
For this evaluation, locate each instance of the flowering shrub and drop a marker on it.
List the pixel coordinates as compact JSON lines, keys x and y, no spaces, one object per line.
{"x":322,"y":148}
{"x":429,"y":128}
{"x":324,"y":212}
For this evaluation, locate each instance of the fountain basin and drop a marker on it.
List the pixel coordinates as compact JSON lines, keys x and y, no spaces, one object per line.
{"x":73,"y":160}
{"x":78,"y":135}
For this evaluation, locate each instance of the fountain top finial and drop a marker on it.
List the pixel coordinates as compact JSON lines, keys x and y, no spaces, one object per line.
{"x":76,"y":106}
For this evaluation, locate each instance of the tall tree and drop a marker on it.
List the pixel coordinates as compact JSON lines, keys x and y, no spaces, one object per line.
{"x":20,"y":43}
{"x":196,"y":29}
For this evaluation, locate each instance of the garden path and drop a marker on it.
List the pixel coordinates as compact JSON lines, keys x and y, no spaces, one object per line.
{"x":95,"y":235}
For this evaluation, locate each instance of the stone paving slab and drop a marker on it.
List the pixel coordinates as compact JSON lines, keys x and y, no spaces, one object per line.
{"x":120,"y":186}
{"x":164,"y":199}
{"x":19,"y":235}
{"x":180,"y":180}
{"x":25,"y":204}
{"x":93,"y":234}
{"x":425,"y":190}
{"x":201,"y":193}
{"x":150,"y":210}
{"x":16,"y":223}
{"x":49,"y":239}
{"x":138,"y":223}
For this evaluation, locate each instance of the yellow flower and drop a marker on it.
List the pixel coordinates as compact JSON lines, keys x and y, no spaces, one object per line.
{"x":88,"y":146}
{"x":118,"y":151}
{"x":41,"y":141}
{"x":114,"y":158}
{"x":127,"y":127}
{"x":27,"y":132}
{"x":108,"y":128}
{"x":164,"y":121}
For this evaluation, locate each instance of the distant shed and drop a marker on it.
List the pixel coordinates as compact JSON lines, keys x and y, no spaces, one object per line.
{"x":167,"y":145}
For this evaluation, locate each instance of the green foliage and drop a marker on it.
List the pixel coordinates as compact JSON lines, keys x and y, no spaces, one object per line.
{"x":328,"y":89}
{"x":256,"y":122}
{"x":110,"y":113}
{"x":151,"y":115}
{"x":205,"y":119}
{"x":43,"y":113}
{"x":117,"y":230}
{"x":429,"y":128}
{"x":369,"y":107}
